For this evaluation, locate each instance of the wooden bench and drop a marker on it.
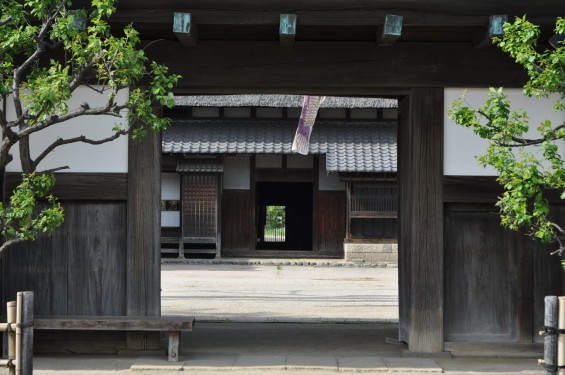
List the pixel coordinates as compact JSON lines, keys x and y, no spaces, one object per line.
{"x":173,"y":325}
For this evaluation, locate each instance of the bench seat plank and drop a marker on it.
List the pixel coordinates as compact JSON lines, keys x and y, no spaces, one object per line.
{"x":115,"y":323}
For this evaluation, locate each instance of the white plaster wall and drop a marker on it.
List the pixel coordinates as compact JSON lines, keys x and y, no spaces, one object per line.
{"x":170,"y":186}
{"x":328,"y":181}
{"x":111,"y":157}
{"x":236,"y":172}
{"x":461,"y":145}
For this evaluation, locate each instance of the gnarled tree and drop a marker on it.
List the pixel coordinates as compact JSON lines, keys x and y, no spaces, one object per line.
{"x":47,"y":51}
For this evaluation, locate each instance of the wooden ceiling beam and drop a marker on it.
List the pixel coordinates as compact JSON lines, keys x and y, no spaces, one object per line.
{"x":261,"y":67}
{"x":345,"y":18}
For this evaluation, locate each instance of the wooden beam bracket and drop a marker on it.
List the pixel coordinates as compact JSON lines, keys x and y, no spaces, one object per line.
{"x":390,"y":31}
{"x":495,"y":29}
{"x":185,"y":29}
{"x":287,"y":30}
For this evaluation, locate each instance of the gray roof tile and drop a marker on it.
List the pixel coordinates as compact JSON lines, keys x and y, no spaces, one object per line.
{"x":349,"y":146}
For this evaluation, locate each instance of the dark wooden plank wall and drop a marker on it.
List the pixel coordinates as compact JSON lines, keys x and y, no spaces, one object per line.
{"x":237,"y":216}
{"x":495,"y":279}
{"x":331,"y":217}
{"x":80,"y":269}
{"x":82,"y":186}
{"x":481,"y":278}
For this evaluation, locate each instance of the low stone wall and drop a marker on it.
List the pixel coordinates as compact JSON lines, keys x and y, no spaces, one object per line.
{"x":371,"y":252}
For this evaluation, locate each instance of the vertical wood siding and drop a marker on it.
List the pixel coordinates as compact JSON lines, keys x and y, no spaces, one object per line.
{"x":331,"y":222}
{"x":80,"y":269}
{"x":481,"y":278}
{"x":495,"y":279}
{"x":237,"y":219}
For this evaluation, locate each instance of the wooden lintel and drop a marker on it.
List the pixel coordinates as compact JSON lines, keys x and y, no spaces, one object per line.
{"x":185,"y":29}
{"x":495,"y":29}
{"x":287,"y":30}
{"x":390,"y":31}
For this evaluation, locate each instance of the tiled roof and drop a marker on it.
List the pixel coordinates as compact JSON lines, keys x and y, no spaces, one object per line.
{"x":280,"y":101}
{"x":202,"y":165}
{"x":349,"y":146}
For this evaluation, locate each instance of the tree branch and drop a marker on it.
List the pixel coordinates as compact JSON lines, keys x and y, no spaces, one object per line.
{"x":9,"y":243}
{"x":82,"y":138}
{"x":84,"y":110}
{"x":5,"y":21}
{"x":52,"y":170}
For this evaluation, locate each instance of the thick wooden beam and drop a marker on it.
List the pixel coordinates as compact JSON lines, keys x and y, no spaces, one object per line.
{"x":390,"y":31}
{"x":495,"y":29}
{"x":161,"y":14}
{"x":287,"y":30}
{"x":421,"y":218}
{"x":185,"y":29}
{"x":143,"y":295}
{"x":334,"y":67}
{"x":82,"y":186}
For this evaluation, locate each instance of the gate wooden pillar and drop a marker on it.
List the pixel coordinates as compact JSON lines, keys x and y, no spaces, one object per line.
{"x":421,"y":219}
{"x":143,"y":296}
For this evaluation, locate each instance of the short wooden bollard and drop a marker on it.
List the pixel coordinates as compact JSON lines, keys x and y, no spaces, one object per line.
{"x":561,"y":337}
{"x":24,"y":333}
{"x":11,"y":315}
{"x":550,"y":338}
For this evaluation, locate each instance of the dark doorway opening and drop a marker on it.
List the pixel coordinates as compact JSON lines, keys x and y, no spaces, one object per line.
{"x":297,"y":200}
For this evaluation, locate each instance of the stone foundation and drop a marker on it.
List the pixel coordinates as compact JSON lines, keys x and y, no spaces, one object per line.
{"x":371,"y":252}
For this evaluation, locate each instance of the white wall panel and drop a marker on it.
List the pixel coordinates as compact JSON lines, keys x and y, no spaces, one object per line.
{"x":170,"y":219}
{"x":170,"y":186}
{"x":461,"y":145}
{"x":236,"y":172}
{"x":80,"y":157}
{"x":328,"y":181}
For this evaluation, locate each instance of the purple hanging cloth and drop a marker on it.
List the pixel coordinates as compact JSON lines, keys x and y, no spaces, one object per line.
{"x":307,"y":118}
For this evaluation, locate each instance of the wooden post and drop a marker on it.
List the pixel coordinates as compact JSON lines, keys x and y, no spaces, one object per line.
{"x":561,"y":337}
{"x":11,"y":319}
{"x":173,"y":351}
{"x":18,"y":333}
{"x":25,"y":358}
{"x":550,"y":341}
{"x":143,"y":264}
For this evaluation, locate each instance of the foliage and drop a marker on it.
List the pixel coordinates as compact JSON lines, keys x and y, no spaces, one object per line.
{"x":21,"y":220}
{"x":276,"y":216}
{"x":529,"y":167}
{"x":47,"y":51}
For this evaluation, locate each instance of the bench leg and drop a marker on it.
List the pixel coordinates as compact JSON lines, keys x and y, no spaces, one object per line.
{"x":174,"y":341}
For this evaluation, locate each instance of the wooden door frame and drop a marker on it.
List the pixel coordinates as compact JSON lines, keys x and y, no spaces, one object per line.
{"x":423,"y":166}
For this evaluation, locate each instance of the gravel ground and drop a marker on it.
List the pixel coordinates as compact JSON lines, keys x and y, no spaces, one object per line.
{"x":280,"y":293}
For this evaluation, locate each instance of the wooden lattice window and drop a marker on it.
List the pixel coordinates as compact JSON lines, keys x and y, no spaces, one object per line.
{"x":374,"y":200}
{"x":373,"y":210}
{"x":199,"y":206}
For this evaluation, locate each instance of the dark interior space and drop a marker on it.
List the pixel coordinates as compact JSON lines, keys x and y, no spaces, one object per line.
{"x":297,"y":198}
